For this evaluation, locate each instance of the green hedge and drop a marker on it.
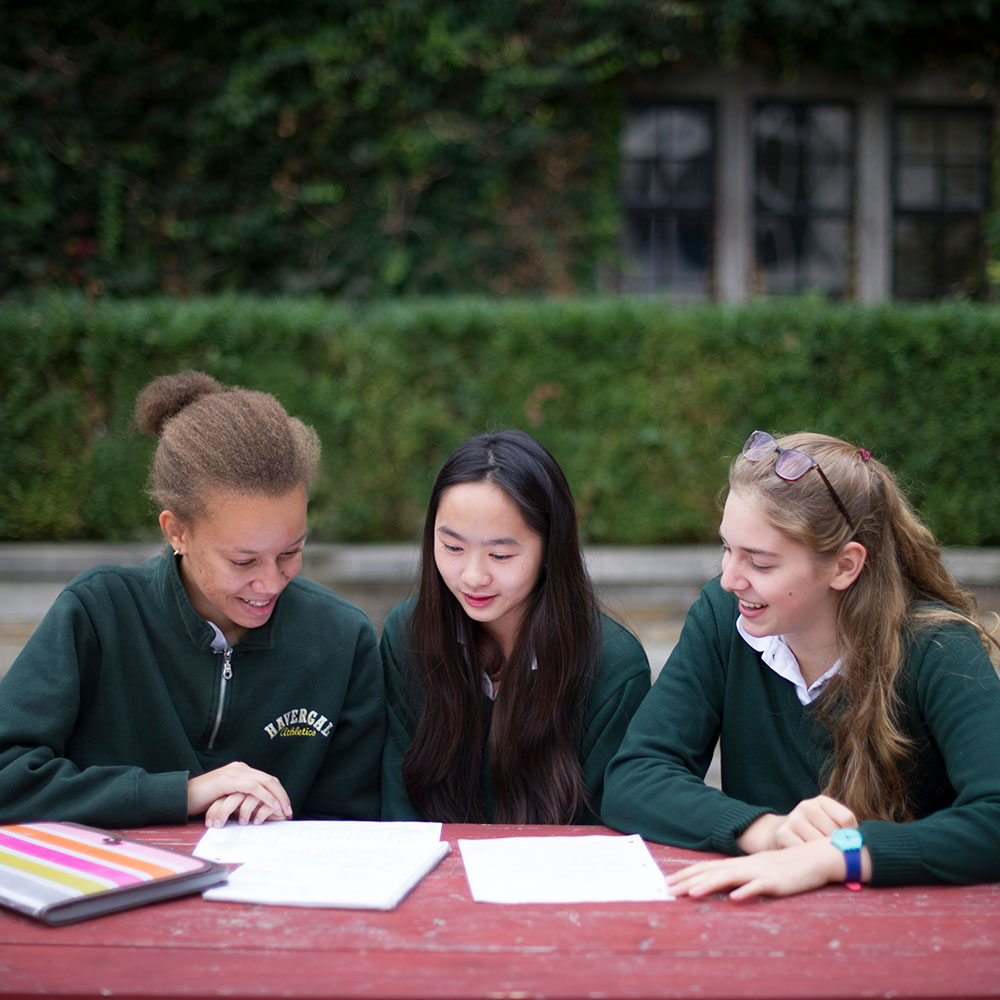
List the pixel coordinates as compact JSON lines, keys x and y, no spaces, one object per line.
{"x":642,"y":402}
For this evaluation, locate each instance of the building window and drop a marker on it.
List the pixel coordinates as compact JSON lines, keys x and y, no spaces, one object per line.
{"x":803,"y":196}
{"x":668,"y":196}
{"x":940,"y":183}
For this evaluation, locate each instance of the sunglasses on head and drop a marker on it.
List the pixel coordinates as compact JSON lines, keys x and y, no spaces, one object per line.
{"x":790,"y":465}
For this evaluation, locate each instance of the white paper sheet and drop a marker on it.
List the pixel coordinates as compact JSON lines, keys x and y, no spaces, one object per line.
{"x":234,"y":843}
{"x":588,"y":869}
{"x":320,"y":863}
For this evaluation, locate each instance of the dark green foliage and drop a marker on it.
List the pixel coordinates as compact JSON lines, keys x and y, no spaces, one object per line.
{"x":351,"y":147}
{"x":880,"y":38}
{"x":370,"y":148}
{"x":642,"y":403}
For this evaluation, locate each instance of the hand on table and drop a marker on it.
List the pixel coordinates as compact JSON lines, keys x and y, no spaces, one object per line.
{"x":812,"y":819}
{"x":253,"y":796}
{"x":781,"y":872}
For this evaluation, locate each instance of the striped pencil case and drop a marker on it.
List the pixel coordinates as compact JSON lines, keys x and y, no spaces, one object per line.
{"x":61,"y":872}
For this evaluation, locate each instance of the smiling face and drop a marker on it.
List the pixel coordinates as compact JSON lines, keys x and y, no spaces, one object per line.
{"x":237,"y":559}
{"x":782,"y":586}
{"x":487,"y":556}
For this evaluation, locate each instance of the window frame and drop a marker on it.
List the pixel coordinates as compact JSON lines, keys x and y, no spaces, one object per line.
{"x":665,"y":275}
{"x":940,"y":217}
{"x":803,"y":213}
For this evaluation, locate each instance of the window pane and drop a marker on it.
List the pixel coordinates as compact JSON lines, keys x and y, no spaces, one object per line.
{"x":668,"y":195}
{"x":693,"y":241}
{"x":638,"y":238}
{"x":916,"y":134}
{"x":940,"y":187}
{"x":778,"y":175}
{"x":777,"y":253}
{"x":963,"y":138}
{"x":829,"y":132}
{"x":687,"y":137}
{"x":826,"y":254}
{"x":639,"y":136}
{"x":914,"y":258}
{"x":829,"y":150}
{"x":693,"y":185}
{"x":962,"y":263}
{"x":777,"y":158}
{"x":963,"y":188}
{"x":915,"y":186}
{"x":828,"y":187}
{"x":804,"y":188}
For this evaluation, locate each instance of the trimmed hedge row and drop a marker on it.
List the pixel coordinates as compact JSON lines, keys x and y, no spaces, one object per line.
{"x":642,"y":402}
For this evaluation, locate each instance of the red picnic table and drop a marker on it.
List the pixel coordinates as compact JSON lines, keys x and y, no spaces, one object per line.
{"x":921,"y":941}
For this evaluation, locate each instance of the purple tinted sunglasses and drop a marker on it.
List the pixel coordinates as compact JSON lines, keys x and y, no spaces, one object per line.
{"x":790,"y":465}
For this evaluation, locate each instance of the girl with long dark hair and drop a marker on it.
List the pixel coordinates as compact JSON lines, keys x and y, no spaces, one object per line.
{"x":508,"y":691}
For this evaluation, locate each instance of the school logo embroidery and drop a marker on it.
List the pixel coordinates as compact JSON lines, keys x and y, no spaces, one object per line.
{"x":299,"y":722}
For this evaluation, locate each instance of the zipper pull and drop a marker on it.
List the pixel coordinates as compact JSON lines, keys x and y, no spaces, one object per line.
{"x":227,"y":676}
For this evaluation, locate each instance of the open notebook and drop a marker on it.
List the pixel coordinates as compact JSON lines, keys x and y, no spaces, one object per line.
{"x":61,"y":872}
{"x":348,"y":863}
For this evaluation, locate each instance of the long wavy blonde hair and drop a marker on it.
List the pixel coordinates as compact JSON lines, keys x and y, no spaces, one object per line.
{"x":904,"y":586}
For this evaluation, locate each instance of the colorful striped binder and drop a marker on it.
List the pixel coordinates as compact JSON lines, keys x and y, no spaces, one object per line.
{"x":61,"y":872}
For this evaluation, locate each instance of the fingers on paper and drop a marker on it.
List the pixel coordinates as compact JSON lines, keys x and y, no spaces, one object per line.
{"x":767,"y":873}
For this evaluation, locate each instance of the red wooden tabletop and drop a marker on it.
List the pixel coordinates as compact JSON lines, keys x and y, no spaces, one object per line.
{"x":939,"y":941}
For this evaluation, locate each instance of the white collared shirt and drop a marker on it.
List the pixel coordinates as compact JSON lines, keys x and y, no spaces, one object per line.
{"x":490,"y":689}
{"x":777,"y":654}
{"x":220,"y":643}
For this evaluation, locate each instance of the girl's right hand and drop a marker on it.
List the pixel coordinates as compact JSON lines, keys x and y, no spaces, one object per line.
{"x":811,"y":819}
{"x":770,"y":873}
{"x":237,"y":788}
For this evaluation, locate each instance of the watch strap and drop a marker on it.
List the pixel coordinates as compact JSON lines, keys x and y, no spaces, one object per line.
{"x":852,"y":856}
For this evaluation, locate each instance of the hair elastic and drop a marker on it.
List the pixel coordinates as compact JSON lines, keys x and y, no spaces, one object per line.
{"x":865,"y":455}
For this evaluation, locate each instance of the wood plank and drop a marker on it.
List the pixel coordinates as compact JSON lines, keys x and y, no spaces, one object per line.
{"x":912,"y":942}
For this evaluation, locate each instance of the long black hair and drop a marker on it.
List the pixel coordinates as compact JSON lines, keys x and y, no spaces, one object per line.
{"x":532,"y":740}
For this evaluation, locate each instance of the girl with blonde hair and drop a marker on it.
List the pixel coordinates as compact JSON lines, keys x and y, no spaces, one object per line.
{"x":847,"y":680}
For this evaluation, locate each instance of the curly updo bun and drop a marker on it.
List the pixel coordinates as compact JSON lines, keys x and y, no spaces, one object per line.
{"x":215,"y":438}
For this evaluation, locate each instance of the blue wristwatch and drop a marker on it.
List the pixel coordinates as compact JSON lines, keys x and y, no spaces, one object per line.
{"x":849,"y":840}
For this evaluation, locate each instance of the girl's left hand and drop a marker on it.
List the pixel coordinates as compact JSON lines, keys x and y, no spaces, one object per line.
{"x":245,"y":809}
{"x":768,"y":873}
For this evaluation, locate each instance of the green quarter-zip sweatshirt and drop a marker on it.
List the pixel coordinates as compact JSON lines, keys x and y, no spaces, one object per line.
{"x":118,"y":698}
{"x":621,"y":680}
{"x":715,"y":688}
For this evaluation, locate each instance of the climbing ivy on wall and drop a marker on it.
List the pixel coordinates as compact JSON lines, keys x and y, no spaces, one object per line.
{"x":364,"y":148}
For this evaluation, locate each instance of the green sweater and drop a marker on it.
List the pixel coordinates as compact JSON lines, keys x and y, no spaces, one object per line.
{"x":620,"y":683}
{"x":715,"y":687}
{"x":118,"y":698}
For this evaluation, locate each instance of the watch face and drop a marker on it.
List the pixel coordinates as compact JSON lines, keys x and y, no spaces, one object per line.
{"x":847,"y":839}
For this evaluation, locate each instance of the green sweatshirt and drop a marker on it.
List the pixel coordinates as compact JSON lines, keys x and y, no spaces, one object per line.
{"x":118,"y":698}
{"x":715,"y":686}
{"x":620,"y":683}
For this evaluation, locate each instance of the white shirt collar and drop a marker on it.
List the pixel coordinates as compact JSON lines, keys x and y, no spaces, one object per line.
{"x":490,"y":690}
{"x":219,"y":643}
{"x":777,"y":654}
